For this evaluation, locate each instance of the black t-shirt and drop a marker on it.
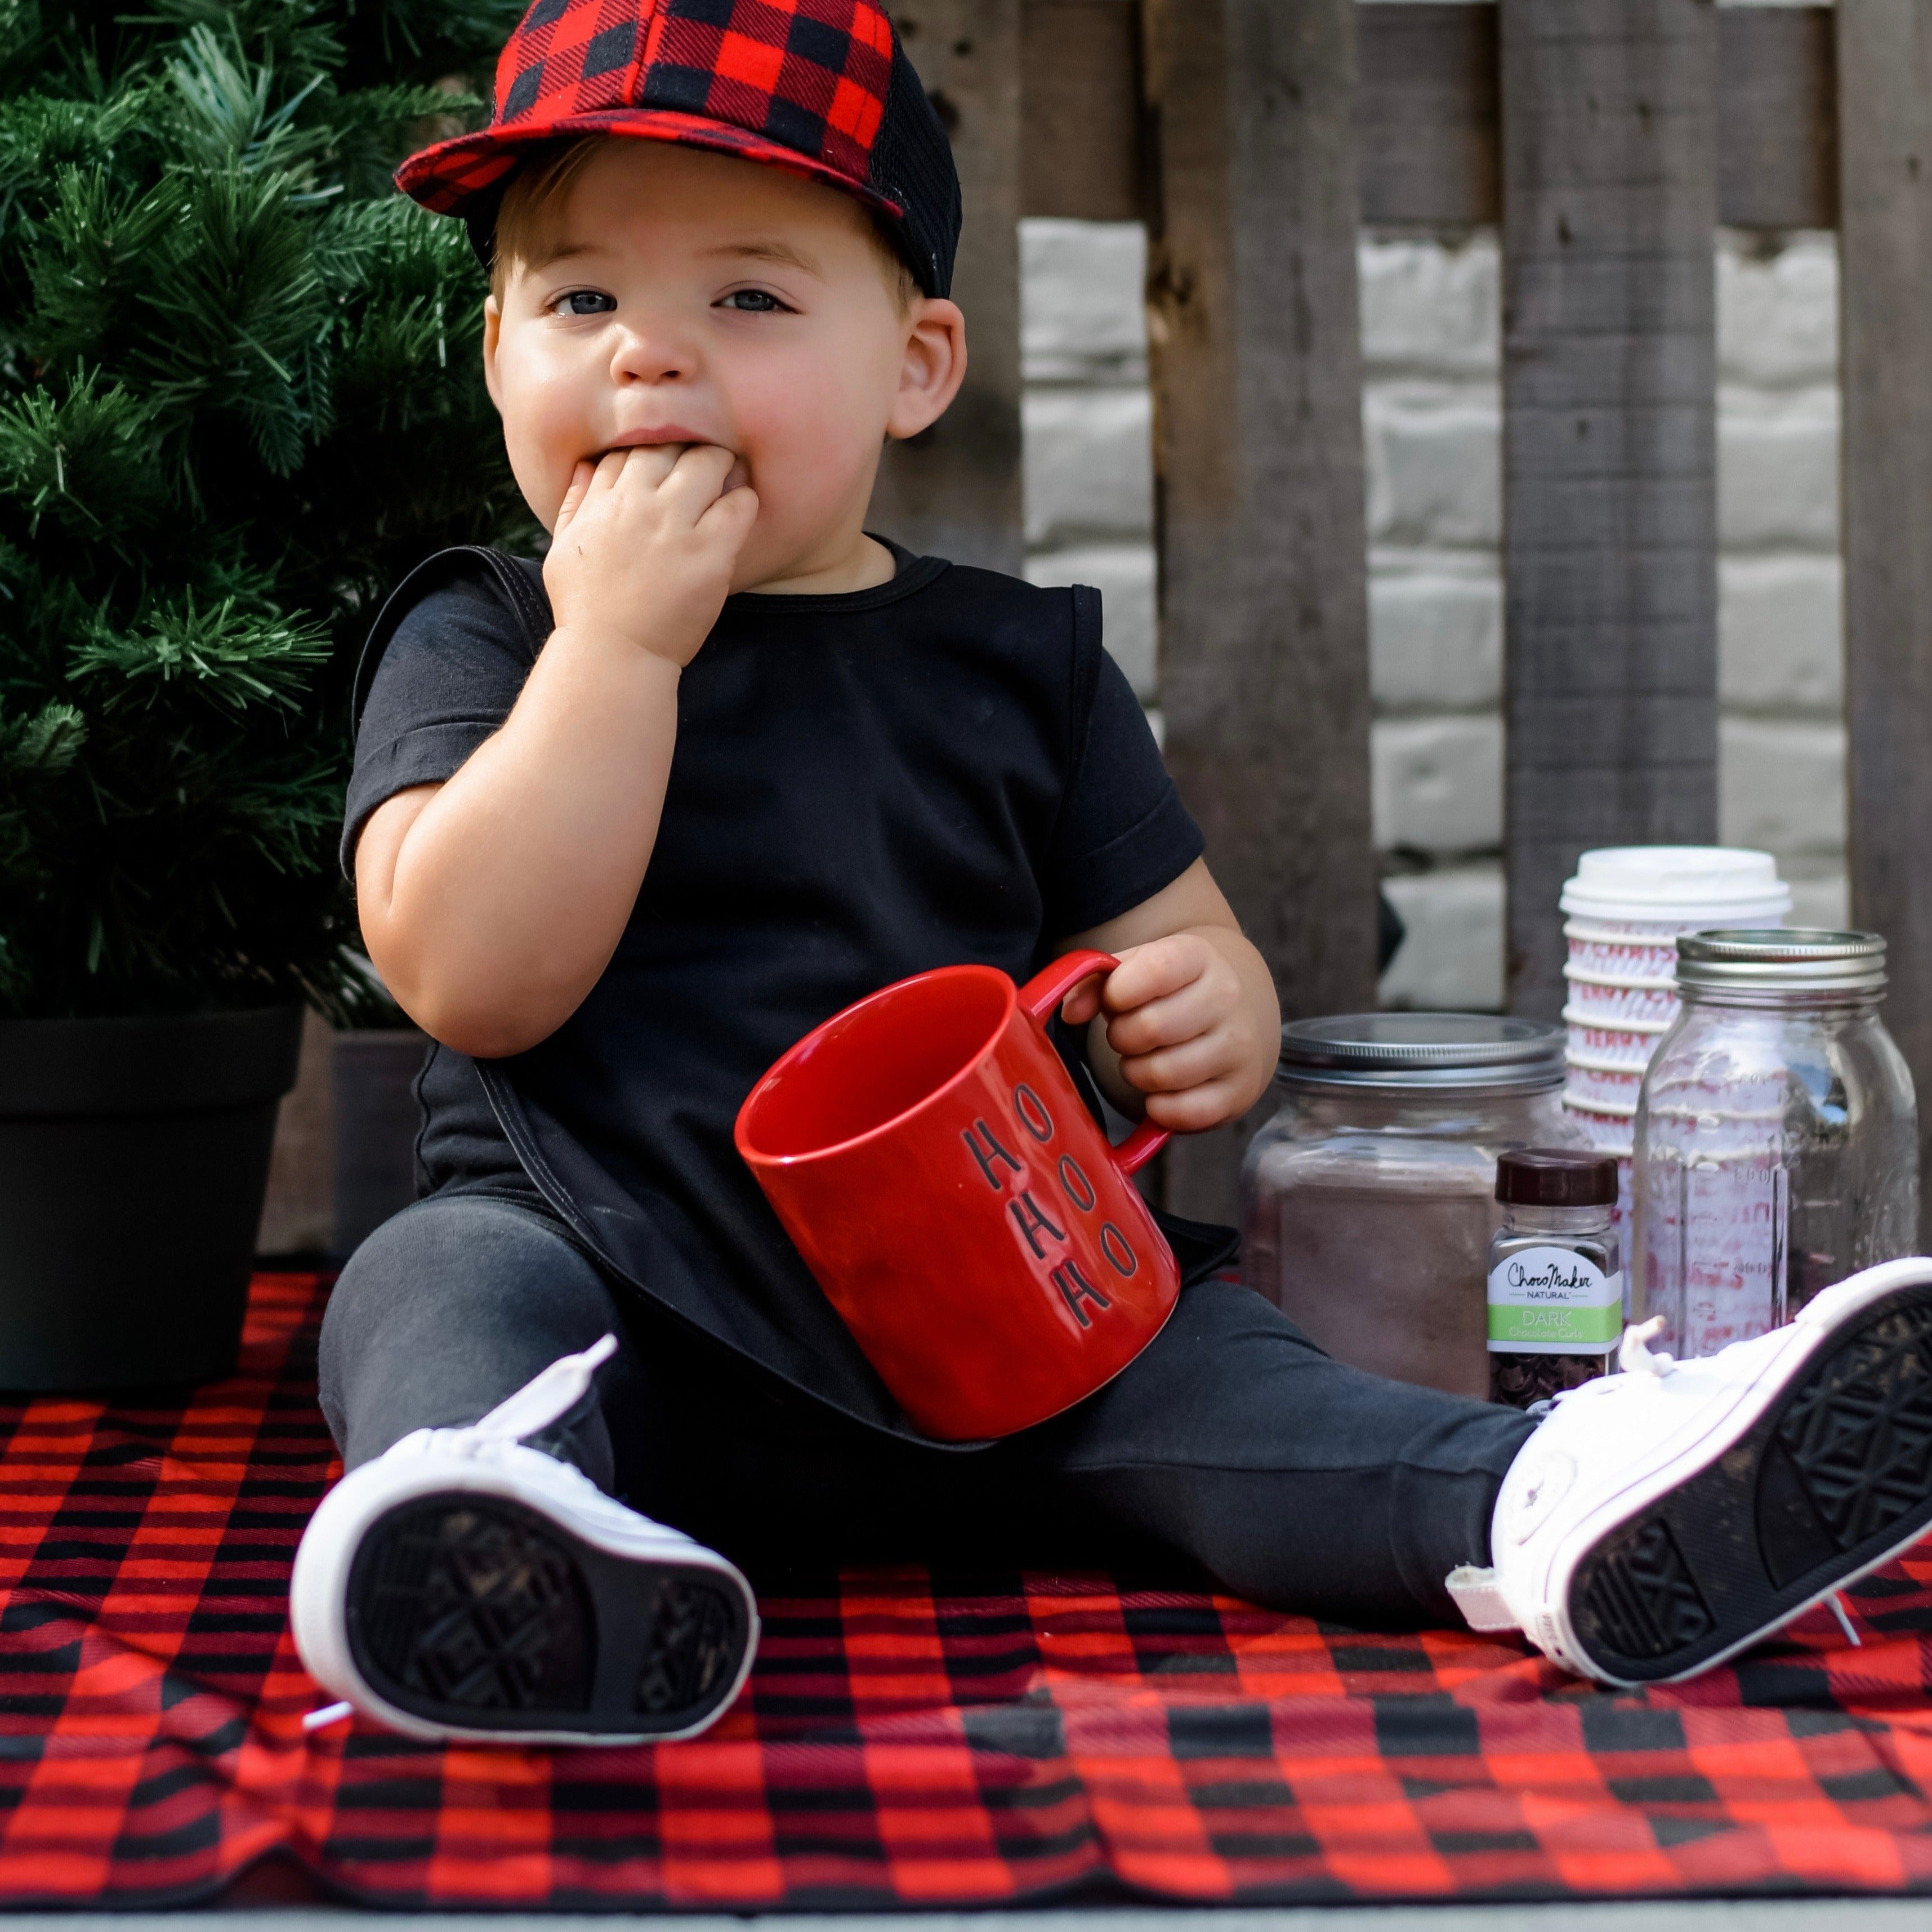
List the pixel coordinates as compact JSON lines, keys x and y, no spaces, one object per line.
{"x":947,"y":767}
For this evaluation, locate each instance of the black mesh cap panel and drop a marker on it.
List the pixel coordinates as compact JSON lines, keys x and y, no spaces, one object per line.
{"x":912,"y":164}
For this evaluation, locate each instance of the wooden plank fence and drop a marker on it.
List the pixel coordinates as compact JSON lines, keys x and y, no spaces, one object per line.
{"x":1885,"y":99}
{"x":1255,"y":359}
{"x":1609,"y":448}
{"x":1607,"y":139}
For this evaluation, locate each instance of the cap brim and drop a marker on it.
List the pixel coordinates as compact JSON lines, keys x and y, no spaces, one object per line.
{"x":465,"y":176}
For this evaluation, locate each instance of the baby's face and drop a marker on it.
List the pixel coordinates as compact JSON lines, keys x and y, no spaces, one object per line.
{"x":696,"y":298}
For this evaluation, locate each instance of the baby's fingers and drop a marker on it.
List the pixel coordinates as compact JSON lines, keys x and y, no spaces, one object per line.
{"x":639,"y":467}
{"x":732,"y":515}
{"x":1083,"y":1003}
{"x":1172,"y":1070}
{"x":1131,"y":981}
{"x":1153,"y":971}
{"x":1197,"y":1108}
{"x":580,"y":480}
{"x":1200,"y":1006}
{"x":697,"y":479}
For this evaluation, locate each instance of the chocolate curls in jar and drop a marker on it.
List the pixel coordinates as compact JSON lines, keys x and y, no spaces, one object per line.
{"x":1368,"y":1201}
{"x":1555,"y":1276}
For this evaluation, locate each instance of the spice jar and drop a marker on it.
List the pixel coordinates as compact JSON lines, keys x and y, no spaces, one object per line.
{"x":1777,"y":1135}
{"x":1556,"y":1286}
{"x":1368,"y":1201}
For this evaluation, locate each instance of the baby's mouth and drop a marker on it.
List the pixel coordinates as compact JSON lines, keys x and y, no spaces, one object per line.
{"x":736,"y":477}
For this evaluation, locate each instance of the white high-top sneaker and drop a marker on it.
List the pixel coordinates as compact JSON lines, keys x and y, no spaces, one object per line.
{"x":463,"y":1585}
{"x":1662,"y":1520}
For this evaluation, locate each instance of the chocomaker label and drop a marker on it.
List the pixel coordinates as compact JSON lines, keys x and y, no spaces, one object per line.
{"x":1553,"y":1301}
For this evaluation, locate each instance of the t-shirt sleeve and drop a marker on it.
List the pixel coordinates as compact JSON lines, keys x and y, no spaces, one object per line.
{"x":1123,"y":832}
{"x":455,"y":663}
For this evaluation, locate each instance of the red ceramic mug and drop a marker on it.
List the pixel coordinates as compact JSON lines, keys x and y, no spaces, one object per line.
{"x":932,"y":1162}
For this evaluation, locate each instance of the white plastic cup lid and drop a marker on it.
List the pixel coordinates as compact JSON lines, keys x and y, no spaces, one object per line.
{"x":1708,"y":883}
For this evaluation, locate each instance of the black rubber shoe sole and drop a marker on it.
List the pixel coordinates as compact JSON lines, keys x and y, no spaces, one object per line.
{"x":478,"y":1612}
{"x":1835,"y":1474}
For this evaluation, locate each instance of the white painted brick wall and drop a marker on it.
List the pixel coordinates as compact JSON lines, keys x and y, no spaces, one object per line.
{"x":1781,"y":785}
{"x":1432,"y":430}
{"x":1779,"y":618}
{"x":1777,"y":472}
{"x":1435,"y":466}
{"x":1453,"y":955}
{"x":1436,"y":632}
{"x":1089,"y":464}
{"x":1087,"y":424}
{"x":1781,"y":741}
{"x":1438,"y":783}
{"x":1431,"y":422}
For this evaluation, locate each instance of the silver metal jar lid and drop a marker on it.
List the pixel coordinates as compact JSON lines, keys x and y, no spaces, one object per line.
{"x":1423,"y":1052}
{"x":1790,"y":959}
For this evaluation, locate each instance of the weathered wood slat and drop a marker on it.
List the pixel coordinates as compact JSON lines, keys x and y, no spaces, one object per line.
{"x":955,"y":491}
{"x":1080,"y":96}
{"x":1430,"y":108}
{"x":1777,"y":117}
{"x":1257,"y":371}
{"x":1885,"y":84}
{"x":1429,"y":115}
{"x":1610,"y":202}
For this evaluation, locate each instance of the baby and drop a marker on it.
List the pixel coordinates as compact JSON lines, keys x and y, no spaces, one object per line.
{"x":625,"y":827}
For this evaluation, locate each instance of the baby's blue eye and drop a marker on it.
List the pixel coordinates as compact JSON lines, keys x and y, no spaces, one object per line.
{"x":585,"y":301}
{"x":753,"y":301}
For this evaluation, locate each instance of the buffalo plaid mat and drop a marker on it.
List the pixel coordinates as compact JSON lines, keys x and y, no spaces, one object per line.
{"x":905,"y":1740}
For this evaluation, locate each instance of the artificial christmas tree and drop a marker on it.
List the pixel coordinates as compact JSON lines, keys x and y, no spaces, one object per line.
{"x":239,"y":397}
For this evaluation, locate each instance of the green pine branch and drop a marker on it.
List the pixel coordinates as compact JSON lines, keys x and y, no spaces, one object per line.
{"x":239,"y":397}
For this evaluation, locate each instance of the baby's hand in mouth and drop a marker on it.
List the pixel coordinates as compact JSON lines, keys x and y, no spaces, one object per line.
{"x":736,"y":477}
{"x":646,"y":541}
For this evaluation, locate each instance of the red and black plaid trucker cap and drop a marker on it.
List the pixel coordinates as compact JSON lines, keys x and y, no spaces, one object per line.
{"x":820,"y":87}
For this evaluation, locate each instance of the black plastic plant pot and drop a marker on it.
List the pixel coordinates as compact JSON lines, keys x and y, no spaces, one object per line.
{"x":133,"y":1160}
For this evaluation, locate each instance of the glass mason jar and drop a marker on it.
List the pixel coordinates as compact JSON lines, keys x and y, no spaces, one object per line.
{"x":1368,"y":1201}
{"x":1777,"y":1146}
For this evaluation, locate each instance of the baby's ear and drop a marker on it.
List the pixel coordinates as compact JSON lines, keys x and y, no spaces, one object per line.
{"x":493,"y":332}
{"x":931,"y":369}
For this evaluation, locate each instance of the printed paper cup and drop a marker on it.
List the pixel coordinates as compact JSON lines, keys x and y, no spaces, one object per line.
{"x":1626,"y":908}
{"x":1615,"y":1049}
{"x":1600,"y":1090}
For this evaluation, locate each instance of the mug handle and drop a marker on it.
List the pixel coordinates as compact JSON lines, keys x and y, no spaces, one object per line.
{"x":1040,"y":999}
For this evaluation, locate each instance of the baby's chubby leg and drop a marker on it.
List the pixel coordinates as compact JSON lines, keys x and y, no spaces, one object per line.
{"x":1298,"y":1481}
{"x":454,"y":1304}
{"x":473,"y":1575}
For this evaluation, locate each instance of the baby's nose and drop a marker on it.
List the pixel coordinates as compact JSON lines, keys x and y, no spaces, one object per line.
{"x":648,"y":355}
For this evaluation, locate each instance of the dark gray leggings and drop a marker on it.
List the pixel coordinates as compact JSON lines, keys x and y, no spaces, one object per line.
{"x":1294,"y":1480}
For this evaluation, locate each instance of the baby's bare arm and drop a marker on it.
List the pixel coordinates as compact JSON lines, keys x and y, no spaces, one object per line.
{"x":1186,"y":1029}
{"x":491,"y":905}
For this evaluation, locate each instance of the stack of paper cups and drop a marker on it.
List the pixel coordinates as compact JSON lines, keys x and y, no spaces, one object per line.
{"x":1626,"y":907}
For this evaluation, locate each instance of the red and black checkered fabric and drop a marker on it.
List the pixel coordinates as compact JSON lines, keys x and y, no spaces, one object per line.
{"x":906,"y":1739}
{"x":819,"y":87}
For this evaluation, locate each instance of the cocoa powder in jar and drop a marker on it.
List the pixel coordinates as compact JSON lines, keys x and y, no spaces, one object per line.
{"x":1368,"y":1201}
